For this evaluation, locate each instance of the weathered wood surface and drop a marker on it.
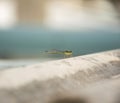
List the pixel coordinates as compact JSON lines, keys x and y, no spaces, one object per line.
{"x":93,"y":78}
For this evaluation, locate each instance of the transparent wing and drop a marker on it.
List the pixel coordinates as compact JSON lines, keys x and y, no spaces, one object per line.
{"x":54,"y":51}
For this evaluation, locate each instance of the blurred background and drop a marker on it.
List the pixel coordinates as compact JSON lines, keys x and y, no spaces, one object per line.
{"x":30,"y":27}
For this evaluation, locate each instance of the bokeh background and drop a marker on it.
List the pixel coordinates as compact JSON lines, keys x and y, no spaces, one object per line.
{"x":30,"y":27}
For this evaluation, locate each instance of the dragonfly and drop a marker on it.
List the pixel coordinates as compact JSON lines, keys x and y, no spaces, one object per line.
{"x":66,"y":53}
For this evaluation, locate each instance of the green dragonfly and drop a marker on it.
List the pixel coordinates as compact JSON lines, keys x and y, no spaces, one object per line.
{"x":66,"y":53}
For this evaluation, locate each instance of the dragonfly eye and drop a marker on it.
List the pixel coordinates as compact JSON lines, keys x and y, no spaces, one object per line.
{"x":69,"y":51}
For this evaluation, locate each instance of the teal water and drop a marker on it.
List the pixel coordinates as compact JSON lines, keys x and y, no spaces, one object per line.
{"x":31,"y":42}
